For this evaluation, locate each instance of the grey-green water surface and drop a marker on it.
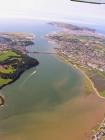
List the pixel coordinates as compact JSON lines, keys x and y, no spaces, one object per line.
{"x":50,"y":104}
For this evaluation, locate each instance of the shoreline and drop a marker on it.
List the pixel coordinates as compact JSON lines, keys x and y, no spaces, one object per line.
{"x":82,"y":72}
{"x":27,"y":62}
{"x":15,"y":79}
{"x":101,"y":123}
{"x":2,"y":99}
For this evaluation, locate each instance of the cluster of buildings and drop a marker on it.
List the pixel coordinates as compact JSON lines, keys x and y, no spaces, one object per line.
{"x":9,"y":42}
{"x":100,"y":134}
{"x":3,"y":47}
{"x":88,"y":53}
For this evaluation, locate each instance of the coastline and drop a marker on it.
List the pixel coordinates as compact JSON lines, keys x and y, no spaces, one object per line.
{"x":14,"y":57}
{"x":82,"y":72}
{"x":2,"y":99}
{"x":100,"y":131}
{"x":15,"y":54}
{"x":63,"y":59}
{"x":15,"y":79}
{"x":67,"y":49}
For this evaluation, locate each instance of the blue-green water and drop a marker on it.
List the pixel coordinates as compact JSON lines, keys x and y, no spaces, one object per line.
{"x":50,"y":104}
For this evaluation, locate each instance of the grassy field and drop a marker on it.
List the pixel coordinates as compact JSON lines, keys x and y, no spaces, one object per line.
{"x":4,"y":81}
{"x":7,"y":68}
{"x":7,"y":54}
{"x":103,"y":93}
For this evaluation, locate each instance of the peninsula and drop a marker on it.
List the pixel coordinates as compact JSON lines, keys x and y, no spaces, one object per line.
{"x":14,"y":59}
{"x":85,"y":49}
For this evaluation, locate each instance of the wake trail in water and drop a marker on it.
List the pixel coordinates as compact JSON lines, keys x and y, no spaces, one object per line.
{"x":28,"y":77}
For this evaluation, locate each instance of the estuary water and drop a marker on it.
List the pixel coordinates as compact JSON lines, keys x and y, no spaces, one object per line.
{"x":51,"y":103}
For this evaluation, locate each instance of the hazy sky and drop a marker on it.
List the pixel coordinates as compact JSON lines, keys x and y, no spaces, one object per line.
{"x":51,"y":9}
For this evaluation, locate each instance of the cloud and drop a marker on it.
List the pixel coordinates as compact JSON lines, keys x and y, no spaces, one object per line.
{"x":51,"y":9}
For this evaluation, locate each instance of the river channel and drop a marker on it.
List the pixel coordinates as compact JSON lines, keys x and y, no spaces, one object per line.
{"x":51,"y":103}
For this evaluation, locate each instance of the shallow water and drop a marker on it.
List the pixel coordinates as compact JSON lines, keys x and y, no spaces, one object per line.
{"x":51,"y":103}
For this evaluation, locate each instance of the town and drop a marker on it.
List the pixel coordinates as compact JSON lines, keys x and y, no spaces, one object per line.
{"x":86,"y":51}
{"x":84,"y":48}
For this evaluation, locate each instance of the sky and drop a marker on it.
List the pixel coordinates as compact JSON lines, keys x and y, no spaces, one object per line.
{"x":52,"y":9}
